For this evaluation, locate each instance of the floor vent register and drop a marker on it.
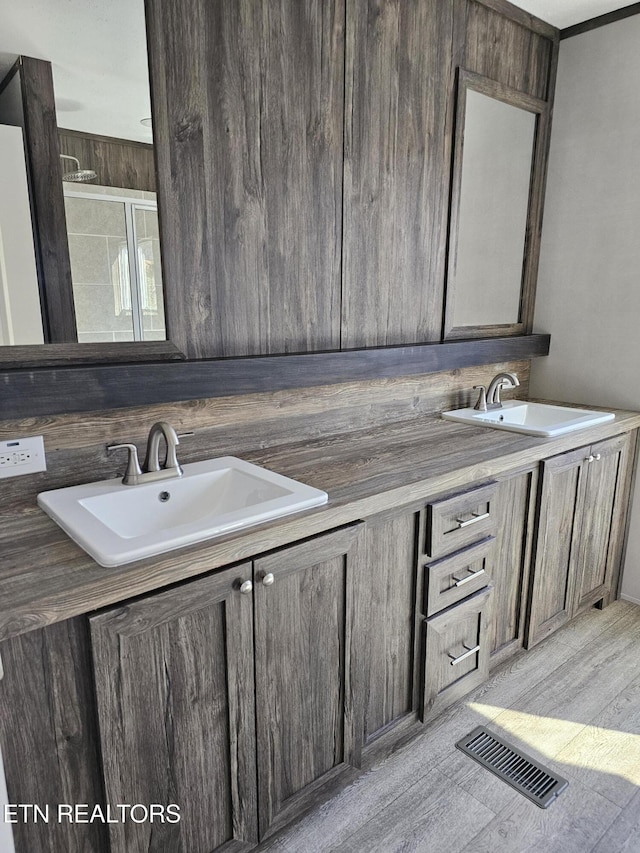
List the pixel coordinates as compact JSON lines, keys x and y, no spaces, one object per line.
{"x":516,"y":768}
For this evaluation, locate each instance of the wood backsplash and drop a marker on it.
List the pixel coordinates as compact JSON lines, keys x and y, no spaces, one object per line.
{"x":230,"y":426}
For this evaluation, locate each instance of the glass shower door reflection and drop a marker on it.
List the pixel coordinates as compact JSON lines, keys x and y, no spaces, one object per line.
{"x":115,"y":267}
{"x":149,"y":274}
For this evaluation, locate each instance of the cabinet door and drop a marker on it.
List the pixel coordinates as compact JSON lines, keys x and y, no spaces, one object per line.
{"x":556,"y":544}
{"x":49,"y":736}
{"x":304,"y":697}
{"x":174,"y":681}
{"x":510,"y":560}
{"x":386,"y":634}
{"x":602,"y":520}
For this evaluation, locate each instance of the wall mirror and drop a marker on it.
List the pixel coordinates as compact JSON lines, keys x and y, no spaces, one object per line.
{"x":496,"y":202}
{"x":79,"y":233}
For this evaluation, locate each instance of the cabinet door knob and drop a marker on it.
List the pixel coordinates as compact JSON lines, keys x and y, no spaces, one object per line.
{"x":268,"y":579}
{"x":589,"y":458}
{"x":598,"y":457}
{"x":246,"y":587}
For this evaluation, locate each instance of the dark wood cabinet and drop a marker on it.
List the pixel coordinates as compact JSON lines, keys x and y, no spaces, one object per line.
{"x":248,"y":124}
{"x":510,"y":560}
{"x":247,"y":696}
{"x":306,"y":738}
{"x":386,"y":645}
{"x":578,"y":543}
{"x":48,"y":736}
{"x":458,"y":551}
{"x":551,"y":603}
{"x":487,"y":531}
{"x":304,"y":152}
{"x":603,"y":515}
{"x":194,"y":684}
{"x":174,"y":680}
{"x":399,"y":74}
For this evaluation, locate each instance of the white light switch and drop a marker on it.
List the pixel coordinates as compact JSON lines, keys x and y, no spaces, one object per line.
{"x":20,"y":456}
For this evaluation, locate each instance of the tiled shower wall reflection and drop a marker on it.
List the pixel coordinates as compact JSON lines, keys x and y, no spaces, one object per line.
{"x":99,"y":266}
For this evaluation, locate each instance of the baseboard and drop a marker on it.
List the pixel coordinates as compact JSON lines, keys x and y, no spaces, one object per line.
{"x":630,"y":598}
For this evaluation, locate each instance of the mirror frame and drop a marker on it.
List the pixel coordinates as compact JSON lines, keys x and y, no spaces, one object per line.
{"x":468,"y":80}
{"x":36,"y":88}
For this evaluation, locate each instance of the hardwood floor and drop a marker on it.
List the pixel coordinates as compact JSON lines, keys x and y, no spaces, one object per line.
{"x":573,"y":702}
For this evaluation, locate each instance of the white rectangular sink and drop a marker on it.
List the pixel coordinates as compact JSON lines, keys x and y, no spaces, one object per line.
{"x":118,"y":524}
{"x":531,"y":418}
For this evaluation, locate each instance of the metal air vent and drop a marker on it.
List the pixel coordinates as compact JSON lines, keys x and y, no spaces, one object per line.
{"x":529,"y":777}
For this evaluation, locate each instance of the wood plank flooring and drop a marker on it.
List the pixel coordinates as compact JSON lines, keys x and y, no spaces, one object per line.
{"x":573,"y":702}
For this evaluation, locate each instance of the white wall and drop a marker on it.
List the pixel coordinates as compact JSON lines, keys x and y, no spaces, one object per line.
{"x":6,"y":836}
{"x":589,"y":283}
{"x":20,"y":321}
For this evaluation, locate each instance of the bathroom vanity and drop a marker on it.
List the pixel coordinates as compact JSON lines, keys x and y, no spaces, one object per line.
{"x":329,"y":296}
{"x":251,"y":676}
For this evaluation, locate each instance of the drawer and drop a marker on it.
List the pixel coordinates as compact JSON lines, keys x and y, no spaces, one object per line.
{"x":459,"y":520}
{"x":453,"y":578}
{"x":456,"y":652}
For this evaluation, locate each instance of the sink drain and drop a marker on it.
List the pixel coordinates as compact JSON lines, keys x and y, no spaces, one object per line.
{"x":163,"y":497}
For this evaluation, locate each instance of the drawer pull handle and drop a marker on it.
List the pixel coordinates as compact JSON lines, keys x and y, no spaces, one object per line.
{"x":460,"y":658}
{"x":463,"y":581}
{"x":476,"y":517}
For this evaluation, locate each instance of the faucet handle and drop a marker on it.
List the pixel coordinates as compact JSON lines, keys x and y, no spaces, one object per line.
{"x":133,"y":465}
{"x":481,"y":405}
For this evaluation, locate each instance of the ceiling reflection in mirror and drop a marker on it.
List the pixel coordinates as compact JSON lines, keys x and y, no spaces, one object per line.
{"x":109,"y":249}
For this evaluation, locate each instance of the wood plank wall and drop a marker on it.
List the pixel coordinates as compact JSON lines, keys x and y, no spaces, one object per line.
{"x":284,"y":254}
{"x":75,"y":444}
{"x":397,"y":148}
{"x":248,"y":117}
{"x":117,"y":162}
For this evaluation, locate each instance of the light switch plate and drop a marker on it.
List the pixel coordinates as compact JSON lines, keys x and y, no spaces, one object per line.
{"x":20,"y":456}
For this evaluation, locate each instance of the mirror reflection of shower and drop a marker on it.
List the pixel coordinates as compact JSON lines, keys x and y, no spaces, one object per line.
{"x":79,"y":176}
{"x":115,"y":264}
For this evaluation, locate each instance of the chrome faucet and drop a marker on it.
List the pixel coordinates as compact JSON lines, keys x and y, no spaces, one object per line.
{"x":151,"y":469}
{"x":152,"y":459}
{"x":500,"y":381}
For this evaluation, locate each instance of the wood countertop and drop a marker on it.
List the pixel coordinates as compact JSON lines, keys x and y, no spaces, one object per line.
{"x":46,"y":578}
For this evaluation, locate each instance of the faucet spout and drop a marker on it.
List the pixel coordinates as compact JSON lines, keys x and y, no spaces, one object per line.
{"x":500,"y":381}
{"x":170,"y":467}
